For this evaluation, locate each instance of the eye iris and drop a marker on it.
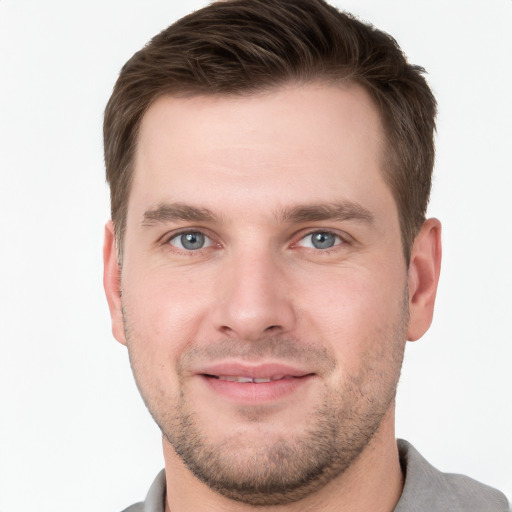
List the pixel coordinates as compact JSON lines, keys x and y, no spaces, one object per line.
{"x":192,"y":241}
{"x":322,"y":240}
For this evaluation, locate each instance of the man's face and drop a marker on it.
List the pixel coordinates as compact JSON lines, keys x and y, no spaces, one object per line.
{"x":264,"y":285}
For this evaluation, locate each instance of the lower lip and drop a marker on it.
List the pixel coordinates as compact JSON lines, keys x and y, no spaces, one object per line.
{"x":248,"y":392}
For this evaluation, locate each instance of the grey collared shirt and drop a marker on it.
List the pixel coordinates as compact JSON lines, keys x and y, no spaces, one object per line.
{"x":426,"y":490}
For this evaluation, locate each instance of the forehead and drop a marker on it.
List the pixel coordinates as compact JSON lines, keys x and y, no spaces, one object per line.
{"x":301,"y":143}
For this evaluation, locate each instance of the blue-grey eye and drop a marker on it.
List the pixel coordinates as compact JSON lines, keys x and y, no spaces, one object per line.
{"x":320,"y":240}
{"x":323,"y":240}
{"x":190,"y":241}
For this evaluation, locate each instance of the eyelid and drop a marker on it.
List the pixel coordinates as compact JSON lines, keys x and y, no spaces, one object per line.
{"x":166,"y":239}
{"x":342,"y":235}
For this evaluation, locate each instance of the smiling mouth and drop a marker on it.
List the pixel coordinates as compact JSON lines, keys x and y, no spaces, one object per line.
{"x":255,"y":386}
{"x":250,"y":380}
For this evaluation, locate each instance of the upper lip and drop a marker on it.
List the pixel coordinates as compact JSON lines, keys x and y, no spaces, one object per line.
{"x":255,"y":371}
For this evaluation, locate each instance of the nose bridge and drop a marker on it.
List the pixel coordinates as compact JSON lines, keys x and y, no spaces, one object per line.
{"x":253,"y":298}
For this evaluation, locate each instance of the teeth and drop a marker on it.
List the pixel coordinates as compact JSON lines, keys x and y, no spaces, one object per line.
{"x":236,"y":378}
{"x":269,"y":379}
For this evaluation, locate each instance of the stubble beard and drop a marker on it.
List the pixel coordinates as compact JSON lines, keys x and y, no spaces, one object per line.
{"x":280,"y":470}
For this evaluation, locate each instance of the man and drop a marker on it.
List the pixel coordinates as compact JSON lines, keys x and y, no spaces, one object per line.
{"x":268,"y":257}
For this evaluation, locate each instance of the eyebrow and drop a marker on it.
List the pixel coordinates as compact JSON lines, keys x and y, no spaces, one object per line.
{"x":170,"y":212}
{"x":343,"y":211}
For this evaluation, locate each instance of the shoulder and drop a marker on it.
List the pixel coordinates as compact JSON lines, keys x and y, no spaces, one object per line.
{"x":155,"y":499}
{"x":136,"y":507}
{"x":427,"y":489}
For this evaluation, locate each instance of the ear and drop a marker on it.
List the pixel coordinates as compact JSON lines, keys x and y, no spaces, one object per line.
{"x":423,"y":276}
{"x":112,"y":282}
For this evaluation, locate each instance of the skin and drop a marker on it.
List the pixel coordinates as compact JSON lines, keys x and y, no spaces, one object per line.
{"x":259,"y":292}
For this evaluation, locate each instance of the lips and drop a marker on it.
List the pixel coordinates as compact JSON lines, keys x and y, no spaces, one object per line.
{"x":253,"y":380}
{"x":252,"y":373}
{"x":257,"y":383}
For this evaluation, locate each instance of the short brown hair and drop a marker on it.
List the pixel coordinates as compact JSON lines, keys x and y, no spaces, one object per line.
{"x":241,"y":47}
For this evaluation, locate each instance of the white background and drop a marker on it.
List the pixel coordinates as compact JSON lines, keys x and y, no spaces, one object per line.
{"x":74,"y":434}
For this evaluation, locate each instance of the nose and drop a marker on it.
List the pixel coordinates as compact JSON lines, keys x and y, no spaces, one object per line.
{"x":254,"y":298}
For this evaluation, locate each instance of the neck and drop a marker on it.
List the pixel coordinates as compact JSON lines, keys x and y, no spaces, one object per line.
{"x":373,"y":482}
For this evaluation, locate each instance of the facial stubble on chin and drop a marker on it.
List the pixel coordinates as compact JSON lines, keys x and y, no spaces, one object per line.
{"x":280,"y":469}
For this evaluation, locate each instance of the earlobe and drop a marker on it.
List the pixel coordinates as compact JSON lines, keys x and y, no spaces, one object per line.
{"x":423,"y":277}
{"x":112,"y":282}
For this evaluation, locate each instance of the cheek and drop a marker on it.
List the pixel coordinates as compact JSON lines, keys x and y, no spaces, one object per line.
{"x":163,"y":301}
{"x":359,"y":313}
{"x":157,"y":327}
{"x":165,"y":311}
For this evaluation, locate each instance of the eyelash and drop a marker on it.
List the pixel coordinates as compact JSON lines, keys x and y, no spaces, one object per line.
{"x":168,"y":239}
{"x":344,"y":239}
